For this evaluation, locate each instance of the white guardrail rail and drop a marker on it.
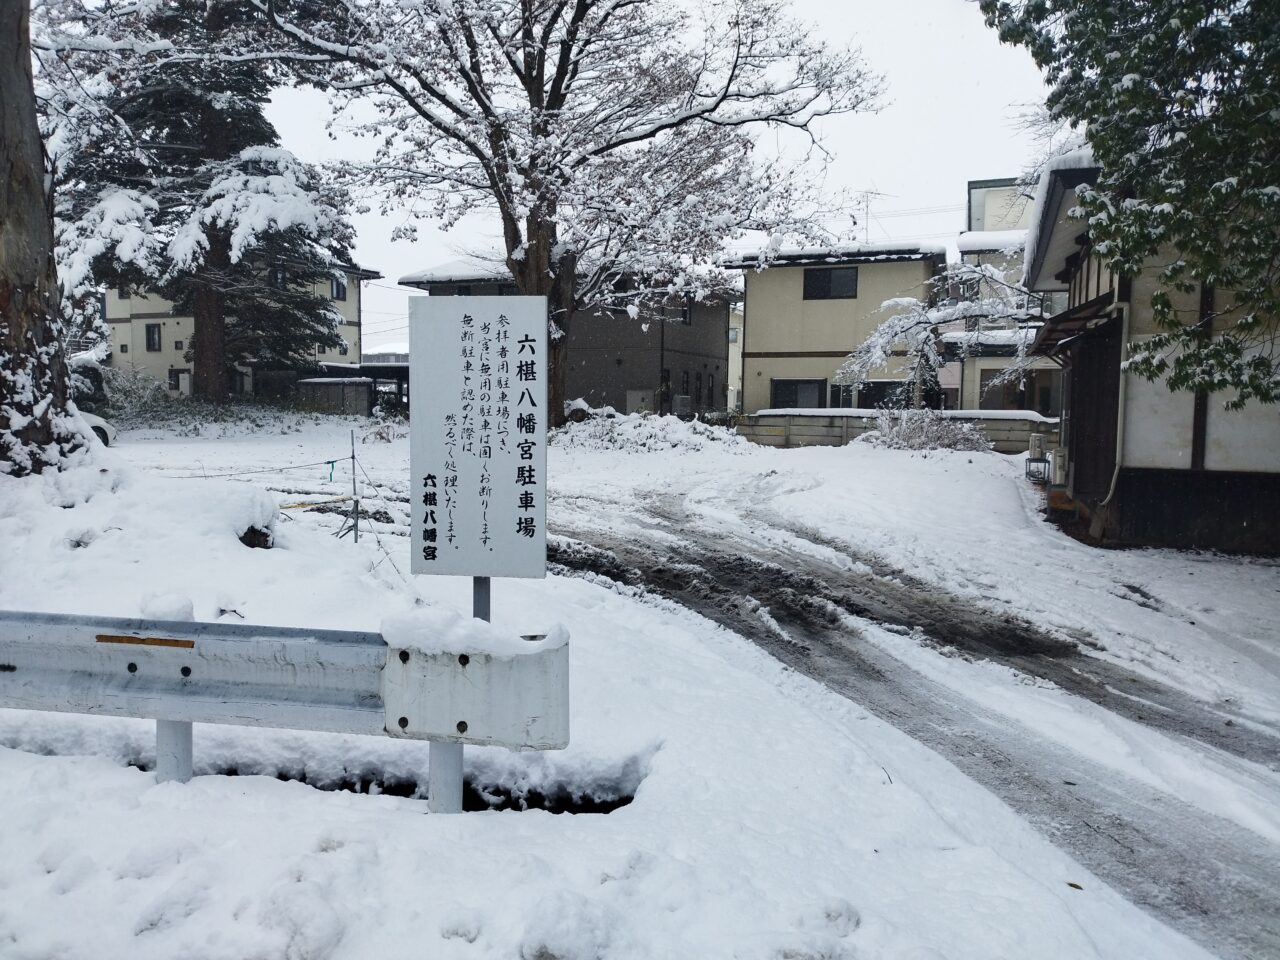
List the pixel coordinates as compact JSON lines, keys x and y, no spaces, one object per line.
{"x":338,"y":681}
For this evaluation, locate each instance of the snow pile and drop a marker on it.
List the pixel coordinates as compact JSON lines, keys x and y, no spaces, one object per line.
{"x":439,"y":630}
{"x":924,"y":430}
{"x":646,"y":433}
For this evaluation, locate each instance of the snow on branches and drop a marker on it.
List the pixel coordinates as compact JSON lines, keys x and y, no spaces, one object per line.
{"x":969,"y":307}
{"x":1179,"y":101}
{"x":611,"y":136}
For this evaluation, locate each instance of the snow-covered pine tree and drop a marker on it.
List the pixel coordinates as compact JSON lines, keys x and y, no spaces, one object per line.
{"x":35,"y":432}
{"x":1180,"y":102}
{"x":185,"y":192}
{"x":611,"y":139}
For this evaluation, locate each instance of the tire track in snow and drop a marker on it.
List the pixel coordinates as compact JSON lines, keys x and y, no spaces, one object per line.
{"x":1207,"y":877}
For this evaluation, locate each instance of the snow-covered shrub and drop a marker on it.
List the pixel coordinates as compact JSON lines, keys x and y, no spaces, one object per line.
{"x":134,"y":396}
{"x":645,"y":433}
{"x":924,"y":430}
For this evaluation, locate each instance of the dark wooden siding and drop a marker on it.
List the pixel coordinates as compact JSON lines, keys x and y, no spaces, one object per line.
{"x":1094,"y":399}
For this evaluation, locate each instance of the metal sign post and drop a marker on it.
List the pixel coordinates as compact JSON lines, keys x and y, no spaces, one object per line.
{"x":478,"y":456}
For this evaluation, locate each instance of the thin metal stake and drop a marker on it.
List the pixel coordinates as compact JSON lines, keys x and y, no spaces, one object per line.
{"x":355,"y":497}
{"x":444,"y":778}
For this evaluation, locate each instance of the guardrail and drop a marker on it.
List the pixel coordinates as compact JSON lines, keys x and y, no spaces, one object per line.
{"x":179,"y":673}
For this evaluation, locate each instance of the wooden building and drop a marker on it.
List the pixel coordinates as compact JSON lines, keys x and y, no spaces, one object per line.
{"x":1140,"y":464}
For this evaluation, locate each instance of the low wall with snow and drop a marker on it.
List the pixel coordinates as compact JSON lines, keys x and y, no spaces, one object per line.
{"x":1008,"y":430}
{"x":353,"y":395}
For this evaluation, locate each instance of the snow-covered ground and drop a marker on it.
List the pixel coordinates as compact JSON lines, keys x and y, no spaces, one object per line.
{"x":772,"y":818}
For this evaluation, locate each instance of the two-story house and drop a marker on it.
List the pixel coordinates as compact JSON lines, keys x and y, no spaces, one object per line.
{"x":671,"y":361}
{"x":1140,"y":464}
{"x":805,"y":312}
{"x":999,"y":214}
{"x":149,"y":337}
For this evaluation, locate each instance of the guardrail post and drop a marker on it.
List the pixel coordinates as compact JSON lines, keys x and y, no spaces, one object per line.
{"x":444,"y":778}
{"x":173,"y":751}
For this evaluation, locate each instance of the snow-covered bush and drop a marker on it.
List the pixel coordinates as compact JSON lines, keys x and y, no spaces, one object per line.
{"x":135,"y":396}
{"x":925,"y":430}
{"x":645,"y":433}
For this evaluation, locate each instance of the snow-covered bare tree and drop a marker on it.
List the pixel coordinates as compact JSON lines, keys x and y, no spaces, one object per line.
{"x":611,"y":138}
{"x":170,"y":179}
{"x":967,"y":307}
{"x":35,"y":431}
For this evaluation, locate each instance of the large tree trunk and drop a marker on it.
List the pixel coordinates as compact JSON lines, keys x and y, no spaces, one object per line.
{"x":34,"y":432}
{"x":209,"y":341}
{"x":537,"y":275}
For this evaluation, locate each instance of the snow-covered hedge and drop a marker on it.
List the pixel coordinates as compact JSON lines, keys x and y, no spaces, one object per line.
{"x":924,"y":430}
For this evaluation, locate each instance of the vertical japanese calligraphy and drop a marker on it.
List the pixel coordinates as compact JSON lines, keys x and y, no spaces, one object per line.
{"x":478,"y":375}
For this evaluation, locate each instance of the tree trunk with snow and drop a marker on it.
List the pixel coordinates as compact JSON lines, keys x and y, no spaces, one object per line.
{"x":208,"y":311}
{"x":538,"y":275}
{"x":33,"y":373}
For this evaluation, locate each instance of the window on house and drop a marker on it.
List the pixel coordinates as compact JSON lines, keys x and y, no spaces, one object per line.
{"x":124,"y":348}
{"x":684,"y":383}
{"x":337,"y":288}
{"x":686,"y":314}
{"x":177,"y":344}
{"x":123,"y":293}
{"x":320,"y":348}
{"x":464,"y":289}
{"x":153,"y":338}
{"x":342,"y":350}
{"x":733,"y":334}
{"x":277,"y":276}
{"x":711,"y":389}
{"x":797,"y":394}
{"x":831,"y":283}
{"x":843,"y":395}
{"x":697,"y":388}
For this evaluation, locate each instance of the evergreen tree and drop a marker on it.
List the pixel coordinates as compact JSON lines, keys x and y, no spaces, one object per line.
{"x":186,"y":193}
{"x":35,"y":430}
{"x":1180,"y":102}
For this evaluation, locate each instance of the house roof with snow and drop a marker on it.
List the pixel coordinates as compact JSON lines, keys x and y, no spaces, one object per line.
{"x":888,"y":252}
{"x":459,"y":271}
{"x":1048,"y":247}
{"x":992,"y":241}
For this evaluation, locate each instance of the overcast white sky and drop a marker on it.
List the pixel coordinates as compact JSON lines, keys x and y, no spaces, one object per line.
{"x":953,"y":92}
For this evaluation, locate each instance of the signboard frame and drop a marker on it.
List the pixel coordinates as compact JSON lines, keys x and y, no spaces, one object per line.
{"x":478,"y":371}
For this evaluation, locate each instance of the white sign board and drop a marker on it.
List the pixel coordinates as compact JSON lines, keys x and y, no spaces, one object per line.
{"x":478,"y":435}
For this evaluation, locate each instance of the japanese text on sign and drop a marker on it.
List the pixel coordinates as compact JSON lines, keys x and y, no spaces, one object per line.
{"x":477,"y":386}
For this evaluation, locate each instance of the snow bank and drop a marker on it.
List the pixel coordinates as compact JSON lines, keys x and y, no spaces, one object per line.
{"x":873,"y":412}
{"x":441,"y":630}
{"x":646,"y":433}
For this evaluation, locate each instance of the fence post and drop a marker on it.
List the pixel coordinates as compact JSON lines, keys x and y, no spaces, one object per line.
{"x":444,"y":777}
{"x":355,"y":496}
{"x":173,"y":751}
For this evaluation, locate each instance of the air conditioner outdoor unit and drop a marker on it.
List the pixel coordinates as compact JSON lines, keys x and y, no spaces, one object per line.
{"x":1058,"y":467}
{"x":682,"y":404}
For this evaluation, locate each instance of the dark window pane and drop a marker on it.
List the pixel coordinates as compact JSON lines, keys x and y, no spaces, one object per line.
{"x":824,"y":283}
{"x":817,"y":284}
{"x":844,"y":282}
